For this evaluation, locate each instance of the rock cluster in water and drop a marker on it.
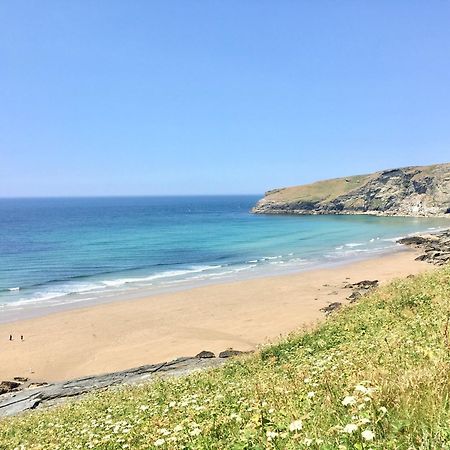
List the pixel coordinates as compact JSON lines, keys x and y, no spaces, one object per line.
{"x":435,"y":247}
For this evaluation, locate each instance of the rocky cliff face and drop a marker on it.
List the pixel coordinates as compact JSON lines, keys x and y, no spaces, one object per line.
{"x":408,"y":191}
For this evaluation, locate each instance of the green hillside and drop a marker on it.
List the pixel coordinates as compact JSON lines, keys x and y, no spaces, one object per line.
{"x":374,"y":376}
{"x":326,"y":190}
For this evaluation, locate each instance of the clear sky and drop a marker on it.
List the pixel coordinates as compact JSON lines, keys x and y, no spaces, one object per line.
{"x":217,"y":97}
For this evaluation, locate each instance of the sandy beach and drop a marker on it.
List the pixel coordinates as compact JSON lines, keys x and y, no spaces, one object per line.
{"x":241,"y":315}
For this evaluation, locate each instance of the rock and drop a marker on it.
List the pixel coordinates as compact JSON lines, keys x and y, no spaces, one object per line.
{"x":436,"y":247}
{"x":230,"y":352}
{"x":205,"y":354}
{"x":12,"y":403}
{"x":413,"y":240}
{"x":8,"y":386}
{"x":354,"y":296}
{"x":365,"y":284}
{"x":21,"y":379}
{"x":331,"y":308}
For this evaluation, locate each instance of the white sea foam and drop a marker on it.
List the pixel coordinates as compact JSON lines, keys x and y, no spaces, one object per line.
{"x":354,"y":244}
{"x":158,"y":276}
{"x":14,"y":289}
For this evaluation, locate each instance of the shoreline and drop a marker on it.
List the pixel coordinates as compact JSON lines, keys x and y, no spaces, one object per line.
{"x":240,"y":314}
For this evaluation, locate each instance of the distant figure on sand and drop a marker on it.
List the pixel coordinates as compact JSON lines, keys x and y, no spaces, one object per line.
{"x":10,"y":337}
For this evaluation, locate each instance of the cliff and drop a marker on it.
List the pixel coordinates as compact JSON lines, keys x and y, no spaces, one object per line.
{"x":408,"y":191}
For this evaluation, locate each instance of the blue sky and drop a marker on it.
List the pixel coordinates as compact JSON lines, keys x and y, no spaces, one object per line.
{"x":217,"y":97}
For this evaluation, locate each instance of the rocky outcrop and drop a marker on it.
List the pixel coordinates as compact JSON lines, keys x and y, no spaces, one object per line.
{"x":435,"y":247}
{"x":409,"y":191}
{"x":332,"y":307}
{"x":17,"y":396}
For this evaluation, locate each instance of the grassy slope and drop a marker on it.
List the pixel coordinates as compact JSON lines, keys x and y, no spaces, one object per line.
{"x":320,"y":191}
{"x":392,"y":344}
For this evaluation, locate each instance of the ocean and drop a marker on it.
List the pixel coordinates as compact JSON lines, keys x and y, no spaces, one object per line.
{"x":62,"y":252}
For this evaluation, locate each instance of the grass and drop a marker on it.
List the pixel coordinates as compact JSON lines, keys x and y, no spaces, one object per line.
{"x":320,"y":191}
{"x":374,"y":376}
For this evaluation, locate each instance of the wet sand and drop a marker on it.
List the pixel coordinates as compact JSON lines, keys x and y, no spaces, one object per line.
{"x":241,"y":315}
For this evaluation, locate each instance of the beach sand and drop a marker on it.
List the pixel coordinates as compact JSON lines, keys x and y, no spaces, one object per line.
{"x":241,"y":315}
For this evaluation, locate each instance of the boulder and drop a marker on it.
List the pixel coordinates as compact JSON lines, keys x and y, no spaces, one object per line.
{"x":205,"y":354}
{"x":354,"y":296}
{"x":230,"y":352}
{"x":365,"y":284}
{"x":331,"y":308}
{"x":8,"y":386}
{"x":21,"y":379}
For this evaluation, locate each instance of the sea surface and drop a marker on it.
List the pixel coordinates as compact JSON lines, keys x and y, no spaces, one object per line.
{"x":58,"y":252}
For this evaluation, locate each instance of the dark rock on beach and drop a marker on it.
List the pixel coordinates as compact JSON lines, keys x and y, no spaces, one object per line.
{"x":365,"y":284}
{"x":354,"y":296}
{"x":230,"y":352}
{"x":8,"y":386}
{"x":360,"y":288}
{"x":331,"y":308}
{"x":205,"y":354}
{"x":21,"y":379}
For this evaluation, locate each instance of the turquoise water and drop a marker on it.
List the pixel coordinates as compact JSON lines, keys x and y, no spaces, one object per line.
{"x":57,"y":252}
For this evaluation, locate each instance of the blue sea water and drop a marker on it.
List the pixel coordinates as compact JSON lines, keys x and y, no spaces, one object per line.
{"x":63,"y":251}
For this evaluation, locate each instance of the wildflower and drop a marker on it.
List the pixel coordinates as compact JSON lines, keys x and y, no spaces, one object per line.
{"x":143,"y":407}
{"x":236,"y":417}
{"x":307,"y":441}
{"x":311,"y":394}
{"x":271,"y":435}
{"x":297,"y":425}
{"x":164,"y":431}
{"x":383,"y":410}
{"x":159,"y":442}
{"x":178,"y":428}
{"x":368,"y":435}
{"x":350,"y":428}
{"x":307,"y":380}
{"x":172,"y":404}
{"x":362,"y":389}
{"x":195,"y":432}
{"x":349,"y":400}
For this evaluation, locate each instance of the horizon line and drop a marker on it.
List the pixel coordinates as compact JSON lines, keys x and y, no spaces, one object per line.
{"x":23,"y":197}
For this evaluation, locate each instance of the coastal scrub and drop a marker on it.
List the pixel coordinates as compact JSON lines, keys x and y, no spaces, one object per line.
{"x":376,"y":375}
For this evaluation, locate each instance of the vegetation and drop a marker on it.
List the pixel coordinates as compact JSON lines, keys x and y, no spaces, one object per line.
{"x":320,"y":191}
{"x":374,"y":376}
